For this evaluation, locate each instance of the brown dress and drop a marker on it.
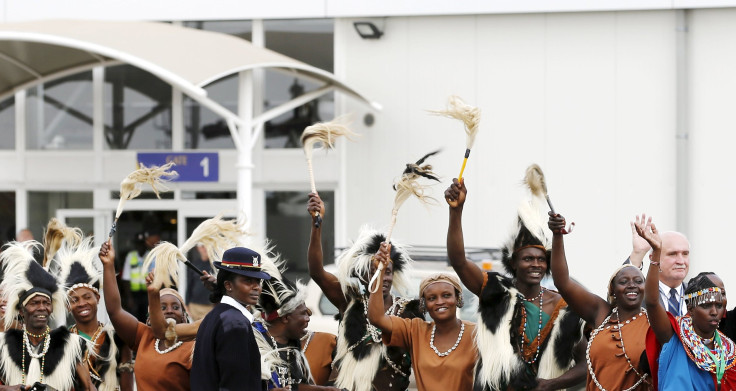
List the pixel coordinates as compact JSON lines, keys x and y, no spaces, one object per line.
{"x":609,"y":364}
{"x":156,"y":372}
{"x":432,"y":372}
{"x":319,"y":351}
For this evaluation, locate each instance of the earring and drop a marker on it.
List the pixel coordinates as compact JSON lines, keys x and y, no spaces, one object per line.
{"x":422,"y":305}
{"x":460,"y":301}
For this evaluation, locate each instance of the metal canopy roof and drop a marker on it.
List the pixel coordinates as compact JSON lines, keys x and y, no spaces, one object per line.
{"x":33,"y":52}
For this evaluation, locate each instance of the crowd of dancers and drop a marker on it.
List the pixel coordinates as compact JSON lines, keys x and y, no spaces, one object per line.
{"x":651,"y":332}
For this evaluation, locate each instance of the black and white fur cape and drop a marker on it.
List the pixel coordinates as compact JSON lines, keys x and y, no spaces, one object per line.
{"x":358,"y":367}
{"x":107,"y":360}
{"x":66,"y":350}
{"x":501,"y":366}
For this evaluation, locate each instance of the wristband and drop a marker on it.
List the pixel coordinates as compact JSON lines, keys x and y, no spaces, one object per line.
{"x":655,"y":263}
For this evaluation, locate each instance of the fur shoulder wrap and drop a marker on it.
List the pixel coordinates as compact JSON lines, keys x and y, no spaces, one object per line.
{"x":498,"y":338}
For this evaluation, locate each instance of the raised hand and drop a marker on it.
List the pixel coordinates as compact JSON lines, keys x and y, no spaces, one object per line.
{"x":107,"y":254}
{"x":639,"y":245}
{"x":646,"y":229}
{"x":209,"y":281}
{"x":315,"y":204}
{"x":149,"y":284}
{"x":556,"y":223}
{"x":383,"y":255}
{"x":455,"y":194}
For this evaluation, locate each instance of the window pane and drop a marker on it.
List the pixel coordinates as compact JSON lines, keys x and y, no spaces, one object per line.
{"x":42,"y":206}
{"x":205,"y":129}
{"x":7,"y":216}
{"x":137,"y":109}
{"x":7,"y":123}
{"x":288,"y":226}
{"x":310,"y":41}
{"x":59,"y":114}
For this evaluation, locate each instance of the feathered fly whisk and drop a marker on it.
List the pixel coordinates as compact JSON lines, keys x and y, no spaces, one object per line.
{"x":408,"y":185}
{"x":216,"y":234}
{"x":537,"y":183}
{"x":470,"y":116}
{"x":132,"y":186}
{"x":324,"y":133}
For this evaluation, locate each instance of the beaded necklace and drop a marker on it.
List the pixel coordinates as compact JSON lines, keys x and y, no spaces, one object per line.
{"x":618,"y":327}
{"x":374,"y":334}
{"x":372,"y":331}
{"x":92,"y":371}
{"x":286,"y":380}
{"x":31,"y":351}
{"x":459,"y":337}
{"x":700,"y":354}
{"x":159,"y":351}
{"x":538,"y":339}
{"x":308,"y":337}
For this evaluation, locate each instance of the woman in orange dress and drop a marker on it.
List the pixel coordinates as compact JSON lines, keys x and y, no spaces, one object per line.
{"x":620,"y":324}
{"x":158,"y":366}
{"x":443,"y":353}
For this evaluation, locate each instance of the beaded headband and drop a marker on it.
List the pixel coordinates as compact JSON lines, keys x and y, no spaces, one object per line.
{"x":83,"y":285}
{"x":707,"y":295}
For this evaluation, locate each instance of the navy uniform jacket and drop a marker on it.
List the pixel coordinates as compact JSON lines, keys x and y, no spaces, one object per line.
{"x":226,"y":356}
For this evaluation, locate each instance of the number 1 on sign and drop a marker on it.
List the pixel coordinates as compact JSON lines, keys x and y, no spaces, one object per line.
{"x":205,"y":164}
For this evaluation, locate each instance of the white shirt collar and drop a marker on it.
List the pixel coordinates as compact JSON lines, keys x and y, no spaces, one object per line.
{"x":666,"y":290}
{"x":229,"y":300}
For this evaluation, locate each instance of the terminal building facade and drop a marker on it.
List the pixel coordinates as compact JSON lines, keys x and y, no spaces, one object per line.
{"x":627,"y":106}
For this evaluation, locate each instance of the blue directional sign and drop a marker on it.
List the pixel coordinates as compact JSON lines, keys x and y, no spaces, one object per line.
{"x":191,"y":166}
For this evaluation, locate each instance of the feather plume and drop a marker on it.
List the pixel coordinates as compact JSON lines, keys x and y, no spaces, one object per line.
{"x":216,"y":235}
{"x":78,"y":265}
{"x":56,"y":234}
{"x":325,"y":133}
{"x":132,"y":185}
{"x":166,"y":271}
{"x":469,"y":115}
{"x":409,"y":185}
{"x":535,"y":180}
{"x":354,"y":264}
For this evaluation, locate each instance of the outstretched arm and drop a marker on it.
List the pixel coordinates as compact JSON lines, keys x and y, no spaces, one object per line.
{"x":326,"y":281}
{"x":469,"y":273}
{"x":590,"y":307}
{"x":658,"y":319}
{"x":184,"y":331}
{"x":124,"y":323}
{"x":376,"y":315}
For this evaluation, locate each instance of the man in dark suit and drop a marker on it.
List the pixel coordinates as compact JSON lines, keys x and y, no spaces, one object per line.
{"x":674,"y":264}
{"x":226,"y":355}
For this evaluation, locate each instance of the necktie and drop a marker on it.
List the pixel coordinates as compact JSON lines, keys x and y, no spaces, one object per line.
{"x":674,"y":304}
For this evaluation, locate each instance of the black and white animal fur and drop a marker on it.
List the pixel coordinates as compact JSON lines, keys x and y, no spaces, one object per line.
{"x":358,"y":367}
{"x":497,"y":337}
{"x":66,"y":350}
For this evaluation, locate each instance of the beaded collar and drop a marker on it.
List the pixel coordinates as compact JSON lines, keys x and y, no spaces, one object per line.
{"x":723,"y":356}
{"x":617,"y":327}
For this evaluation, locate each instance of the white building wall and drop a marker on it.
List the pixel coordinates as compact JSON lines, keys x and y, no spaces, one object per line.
{"x":712,"y":137}
{"x":588,"y":96}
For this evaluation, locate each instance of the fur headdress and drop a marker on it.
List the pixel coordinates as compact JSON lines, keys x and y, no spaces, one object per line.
{"x":79,"y":267}
{"x":24,"y":278}
{"x":531,"y":228}
{"x":279,"y":296}
{"x":354,"y":265}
